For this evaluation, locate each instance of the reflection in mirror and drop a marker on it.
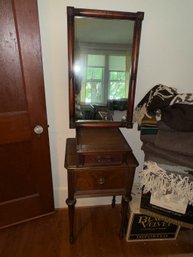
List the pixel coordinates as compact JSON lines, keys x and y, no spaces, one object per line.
{"x":103,"y":49}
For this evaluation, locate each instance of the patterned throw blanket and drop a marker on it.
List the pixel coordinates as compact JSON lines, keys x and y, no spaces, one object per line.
{"x":167,"y":176}
{"x":159,"y":182}
{"x":168,"y":145}
{"x":176,"y":109}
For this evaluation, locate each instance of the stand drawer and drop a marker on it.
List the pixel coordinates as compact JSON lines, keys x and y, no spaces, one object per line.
{"x":100,"y":179}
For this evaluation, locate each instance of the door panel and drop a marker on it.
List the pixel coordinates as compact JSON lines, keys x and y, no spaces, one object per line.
{"x":11,"y":86}
{"x":15,"y":127}
{"x":25,"y":170}
{"x":15,"y":170}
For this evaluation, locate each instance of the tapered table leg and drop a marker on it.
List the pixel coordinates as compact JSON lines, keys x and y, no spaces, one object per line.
{"x":124,"y":210}
{"x":71,"y":205}
{"x":113,"y":201}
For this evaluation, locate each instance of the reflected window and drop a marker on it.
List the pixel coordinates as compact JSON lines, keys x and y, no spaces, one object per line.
{"x":104,"y":70}
{"x":118,"y":79}
{"x":94,"y":82}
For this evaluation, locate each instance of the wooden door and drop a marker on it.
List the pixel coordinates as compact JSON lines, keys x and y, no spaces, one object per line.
{"x":25,"y":173}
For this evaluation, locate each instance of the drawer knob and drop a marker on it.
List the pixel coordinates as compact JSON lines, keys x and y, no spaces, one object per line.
{"x":104,"y":159}
{"x":101,"y":181}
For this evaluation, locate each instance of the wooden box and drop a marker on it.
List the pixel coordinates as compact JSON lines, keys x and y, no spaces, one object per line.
{"x":101,"y":146}
{"x":142,"y":227}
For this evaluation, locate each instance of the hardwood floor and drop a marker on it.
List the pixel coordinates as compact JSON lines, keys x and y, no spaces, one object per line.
{"x":97,"y":230}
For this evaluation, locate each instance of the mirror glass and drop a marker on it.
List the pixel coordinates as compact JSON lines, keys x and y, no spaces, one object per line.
{"x":103,"y":51}
{"x":103,"y":54}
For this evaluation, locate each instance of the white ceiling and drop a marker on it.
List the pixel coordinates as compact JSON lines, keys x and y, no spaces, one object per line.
{"x":95,"y":30}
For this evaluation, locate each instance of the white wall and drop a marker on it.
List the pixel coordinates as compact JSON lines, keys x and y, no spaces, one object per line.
{"x":166,"y":56}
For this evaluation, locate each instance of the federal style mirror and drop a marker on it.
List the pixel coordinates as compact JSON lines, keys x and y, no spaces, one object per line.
{"x":103,"y":50}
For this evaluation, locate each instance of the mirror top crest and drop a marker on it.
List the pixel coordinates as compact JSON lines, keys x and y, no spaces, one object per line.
{"x":103,"y":49}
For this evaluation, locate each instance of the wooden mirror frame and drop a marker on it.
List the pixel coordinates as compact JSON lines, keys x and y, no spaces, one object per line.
{"x":138,"y":18}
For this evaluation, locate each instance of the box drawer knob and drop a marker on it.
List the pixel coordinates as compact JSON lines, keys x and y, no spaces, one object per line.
{"x":104,"y":159}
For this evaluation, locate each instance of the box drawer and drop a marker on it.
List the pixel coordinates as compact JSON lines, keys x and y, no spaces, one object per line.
{"x":99,"y":159}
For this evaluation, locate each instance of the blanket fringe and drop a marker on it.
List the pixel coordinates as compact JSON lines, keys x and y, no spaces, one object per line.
{"x":160,"y":182}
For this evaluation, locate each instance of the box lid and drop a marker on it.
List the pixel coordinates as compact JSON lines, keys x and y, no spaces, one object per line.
{"x":100,"y":139}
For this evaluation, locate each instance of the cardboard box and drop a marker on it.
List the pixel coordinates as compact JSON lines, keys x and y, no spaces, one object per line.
{"x":143,"y":227}
{"x":156,"y":208}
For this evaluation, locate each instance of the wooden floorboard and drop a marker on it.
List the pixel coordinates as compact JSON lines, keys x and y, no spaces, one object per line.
{"x":97,"y":236}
